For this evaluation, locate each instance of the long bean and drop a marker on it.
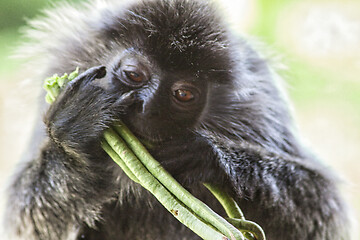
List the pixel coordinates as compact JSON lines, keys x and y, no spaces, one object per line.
{"x":236,"y":217}
{"x":149,"y":182}
{"x":174,"y":187}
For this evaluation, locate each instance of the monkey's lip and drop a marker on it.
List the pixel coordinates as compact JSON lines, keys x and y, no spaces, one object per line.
{"x":144,"y":138}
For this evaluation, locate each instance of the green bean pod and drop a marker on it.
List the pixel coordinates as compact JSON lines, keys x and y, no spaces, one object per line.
{"x":149,"y":182}
{"x":155,"y":168}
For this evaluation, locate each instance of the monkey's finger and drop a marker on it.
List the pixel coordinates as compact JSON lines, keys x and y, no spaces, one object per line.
{"x":86,"y":77}
{"x":124,"y":100}
{"x":72,"y":87}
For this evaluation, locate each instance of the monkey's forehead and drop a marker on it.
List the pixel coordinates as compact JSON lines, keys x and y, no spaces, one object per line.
{"x":176,"y":33}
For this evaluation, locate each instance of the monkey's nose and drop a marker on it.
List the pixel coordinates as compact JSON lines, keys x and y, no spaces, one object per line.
{"x":147,"y":111}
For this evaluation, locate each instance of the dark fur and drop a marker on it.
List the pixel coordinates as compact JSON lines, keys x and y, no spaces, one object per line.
{"x":240,"y":135}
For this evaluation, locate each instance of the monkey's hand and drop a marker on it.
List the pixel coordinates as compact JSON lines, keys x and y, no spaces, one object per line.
{"x":63,"y":190}
{"x":80,"y":114}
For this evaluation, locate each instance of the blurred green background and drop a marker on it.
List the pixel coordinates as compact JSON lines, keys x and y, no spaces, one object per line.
{"x":314,"y":44}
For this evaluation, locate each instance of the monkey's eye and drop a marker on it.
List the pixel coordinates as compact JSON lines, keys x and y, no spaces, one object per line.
{"x":134,"y":76}
{"x":183,"y":95}
{"x":131,"y":71}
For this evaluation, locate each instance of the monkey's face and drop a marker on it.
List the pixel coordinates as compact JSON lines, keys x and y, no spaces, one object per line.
{"x":169,"y":57}
{"x":166,"y":103}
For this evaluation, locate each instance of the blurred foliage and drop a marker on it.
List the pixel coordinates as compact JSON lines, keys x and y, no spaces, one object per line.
{"x":13,"y":13}
{"x":8,"y":40}
{"x":13,"y":16}
{"x":305,"y":79}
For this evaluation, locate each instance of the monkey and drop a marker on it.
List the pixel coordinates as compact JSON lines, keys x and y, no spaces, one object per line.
{"x":210,"y":105}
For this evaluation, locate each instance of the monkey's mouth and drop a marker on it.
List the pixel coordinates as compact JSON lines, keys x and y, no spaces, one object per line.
{"x":149,"y":139}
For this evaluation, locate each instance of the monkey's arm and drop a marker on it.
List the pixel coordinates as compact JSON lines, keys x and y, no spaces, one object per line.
{"x":54,"y":194}
{"x":290,"y":198}
{"x":68,"y":181}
